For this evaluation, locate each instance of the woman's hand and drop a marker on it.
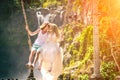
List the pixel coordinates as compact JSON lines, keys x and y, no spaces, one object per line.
{"x":39,"y":68}
{"x":50,"y":69}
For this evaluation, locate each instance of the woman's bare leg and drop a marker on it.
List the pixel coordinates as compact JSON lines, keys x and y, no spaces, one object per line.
{"x":40,"y":64}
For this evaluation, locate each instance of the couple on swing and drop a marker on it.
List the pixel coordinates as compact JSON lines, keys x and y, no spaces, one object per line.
{"x":46,"y":47}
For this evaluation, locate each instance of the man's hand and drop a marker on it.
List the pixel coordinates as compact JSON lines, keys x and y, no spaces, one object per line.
{"x":27,"y":28}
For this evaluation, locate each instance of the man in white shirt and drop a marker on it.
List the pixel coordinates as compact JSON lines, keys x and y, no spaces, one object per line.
{"x":40,"y":40}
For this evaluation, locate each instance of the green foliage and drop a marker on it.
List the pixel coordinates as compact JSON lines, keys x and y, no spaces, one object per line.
{"x":68,"y":35}
{"x":51,"y":3}
{"x":33,"y":4}
{"x":17,"y":3}
{"x":108,"y":70}
{"x":83,"y":77}
{"x":85,"y":48}
{"x":85,"y":39}
{"x":77,"y":4}
{"x":7,"y":7}
{"x":42,"y":2}
{"x":80,"y":46}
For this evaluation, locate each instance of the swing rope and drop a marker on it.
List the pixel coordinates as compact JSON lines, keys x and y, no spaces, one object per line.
{"x":25,"y":18}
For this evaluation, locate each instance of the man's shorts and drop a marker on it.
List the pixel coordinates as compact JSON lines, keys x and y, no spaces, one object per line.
{"x":36,"y":47}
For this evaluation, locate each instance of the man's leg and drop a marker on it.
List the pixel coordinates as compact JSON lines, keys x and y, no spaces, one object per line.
{"x":36,"y":58}
{"x":31,"y":58}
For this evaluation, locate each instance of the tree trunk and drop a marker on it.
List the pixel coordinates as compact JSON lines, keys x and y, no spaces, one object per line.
{"x":96,"y":54}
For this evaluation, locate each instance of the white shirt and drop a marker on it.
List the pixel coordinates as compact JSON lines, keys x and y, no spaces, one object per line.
{"x":41,"y":38}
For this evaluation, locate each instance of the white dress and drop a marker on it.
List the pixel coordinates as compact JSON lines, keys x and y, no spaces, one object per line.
{"x":51,"y":53}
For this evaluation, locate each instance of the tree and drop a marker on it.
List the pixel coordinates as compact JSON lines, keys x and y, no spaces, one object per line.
{"x":96,"y":54}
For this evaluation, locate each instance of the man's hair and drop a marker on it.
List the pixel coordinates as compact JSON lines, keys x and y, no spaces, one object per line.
{"x":45,"y":24}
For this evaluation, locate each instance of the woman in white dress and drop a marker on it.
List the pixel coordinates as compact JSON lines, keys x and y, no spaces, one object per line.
{"x":51,"y":57}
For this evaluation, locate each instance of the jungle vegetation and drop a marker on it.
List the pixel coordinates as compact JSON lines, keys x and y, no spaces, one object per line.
{"x":77,"y":33}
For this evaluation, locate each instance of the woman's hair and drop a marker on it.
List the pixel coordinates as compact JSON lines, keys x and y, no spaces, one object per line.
{"x":54,"y":29}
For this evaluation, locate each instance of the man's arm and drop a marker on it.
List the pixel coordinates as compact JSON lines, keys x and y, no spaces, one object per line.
{"x":32,"y":33}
